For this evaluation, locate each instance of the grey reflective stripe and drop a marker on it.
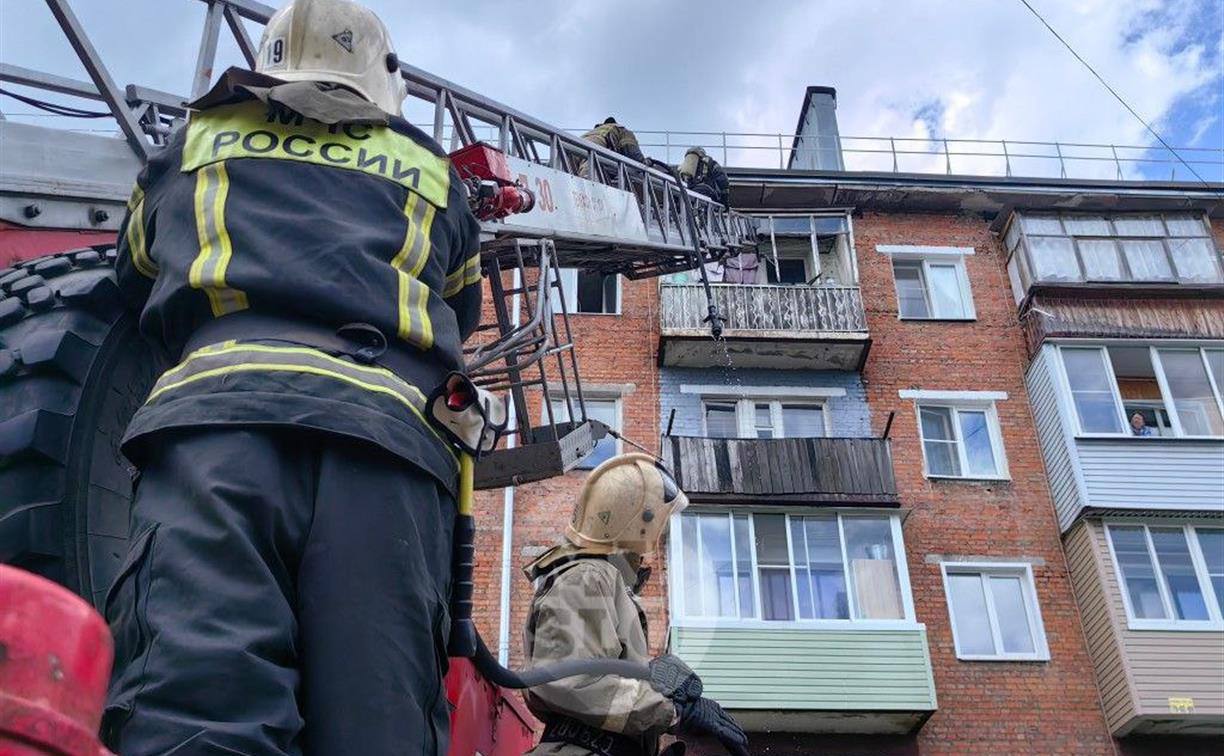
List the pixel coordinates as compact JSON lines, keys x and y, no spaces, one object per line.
{"x":228,"y":359}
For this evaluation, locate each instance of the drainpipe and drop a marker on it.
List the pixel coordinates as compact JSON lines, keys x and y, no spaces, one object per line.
{"x":507,"y":557}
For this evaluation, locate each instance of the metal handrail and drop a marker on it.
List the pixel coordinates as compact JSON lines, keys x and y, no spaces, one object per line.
{"x":1012,"y":157}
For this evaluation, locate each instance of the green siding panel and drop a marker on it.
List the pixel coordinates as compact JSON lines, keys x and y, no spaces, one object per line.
{"x":809,"y":669}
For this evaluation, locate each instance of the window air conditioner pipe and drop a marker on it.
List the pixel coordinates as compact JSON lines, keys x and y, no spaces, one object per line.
{"x":466,"y":642}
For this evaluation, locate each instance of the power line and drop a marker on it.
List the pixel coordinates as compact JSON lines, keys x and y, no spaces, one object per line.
{"x":1113,"y":92}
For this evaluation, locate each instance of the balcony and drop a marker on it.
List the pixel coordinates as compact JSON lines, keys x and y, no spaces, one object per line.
{"x":783,"y":470}
{"x":874,"y":681}
{"x":1156,"y":676}
{"x":1096,"y":463}
{"x":778,"y":327}
{"x":1126,"y":255}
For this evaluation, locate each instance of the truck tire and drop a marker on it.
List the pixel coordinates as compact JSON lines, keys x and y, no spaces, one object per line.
{"x":73,"y":370}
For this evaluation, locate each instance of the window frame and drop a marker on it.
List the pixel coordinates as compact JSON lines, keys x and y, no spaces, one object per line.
{"x":617,"y":411}
{"x":569,"y":287}
{"x":1215,"y":621}
{"x":745,"y":414}
{"x":1167,"y":403}
{"x":1032,"y":604}
{"x":925,"y":261}
{"x":1002,"y":470}
{"x":675,"y":569}
{"x":1017,"y":247}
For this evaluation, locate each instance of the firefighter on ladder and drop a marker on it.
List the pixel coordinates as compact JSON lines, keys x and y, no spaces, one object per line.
{"x":586,"y":606}
{"x":308,"y":261}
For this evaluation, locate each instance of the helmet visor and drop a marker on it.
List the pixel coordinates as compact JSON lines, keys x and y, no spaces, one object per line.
{"x":671,"y":490}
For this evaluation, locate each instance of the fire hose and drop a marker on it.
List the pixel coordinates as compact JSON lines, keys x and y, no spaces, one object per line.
{"x":465,"y":640}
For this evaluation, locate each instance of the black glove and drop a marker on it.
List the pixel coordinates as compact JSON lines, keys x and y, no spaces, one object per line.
{"x":706,"y":717}
{"x":674,"y":679}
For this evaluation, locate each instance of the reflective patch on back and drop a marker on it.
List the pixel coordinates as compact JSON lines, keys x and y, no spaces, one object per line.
{"x":252,"y":130}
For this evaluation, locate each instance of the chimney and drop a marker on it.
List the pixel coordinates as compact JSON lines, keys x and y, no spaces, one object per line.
{"x":817,"y":143}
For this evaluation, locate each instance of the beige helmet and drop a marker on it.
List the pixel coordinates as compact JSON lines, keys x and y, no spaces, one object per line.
{"x":335,"y":41}
{"x":625,"y":505}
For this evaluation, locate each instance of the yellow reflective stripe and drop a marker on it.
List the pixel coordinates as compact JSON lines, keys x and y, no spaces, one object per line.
{"x":412,"y":297}
{"x":231,"y":347}
{"x":308,"y":369}
{"x":208,"y":269}
{"x":249,"y":130}
{"x":135,"y":237}
{"x":466,"y":274}
{"x":136,"y":198}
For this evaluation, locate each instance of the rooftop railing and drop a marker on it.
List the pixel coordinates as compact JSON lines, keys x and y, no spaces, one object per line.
{"x":939,"y":155}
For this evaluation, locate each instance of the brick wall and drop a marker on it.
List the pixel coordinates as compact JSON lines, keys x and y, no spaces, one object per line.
{"x":617,"y":356}
{"x":1003,"y":707}
{"x":849,"y":415}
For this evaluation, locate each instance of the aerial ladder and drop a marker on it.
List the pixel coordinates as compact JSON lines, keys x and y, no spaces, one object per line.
{"x":546,"y":199}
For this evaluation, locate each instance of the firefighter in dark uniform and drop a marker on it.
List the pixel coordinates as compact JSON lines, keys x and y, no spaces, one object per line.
{"x":702,"y":174}
{"x":586,"y":607}
{"x":308,"y":262}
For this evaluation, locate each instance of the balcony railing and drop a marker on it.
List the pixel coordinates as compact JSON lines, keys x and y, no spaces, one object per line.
{"x":788,"y":310}
{"x":783,"y":470}
{"x":775,"y":327}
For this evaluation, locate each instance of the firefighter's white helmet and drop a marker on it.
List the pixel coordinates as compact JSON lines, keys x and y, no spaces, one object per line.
{"x":624,"y":506}
{"x":334,"y":41}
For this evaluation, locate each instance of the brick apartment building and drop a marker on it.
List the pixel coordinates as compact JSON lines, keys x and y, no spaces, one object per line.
{"x":910,"y":513}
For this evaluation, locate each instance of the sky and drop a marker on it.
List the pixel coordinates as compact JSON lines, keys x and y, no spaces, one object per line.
{"x":914,"y":69}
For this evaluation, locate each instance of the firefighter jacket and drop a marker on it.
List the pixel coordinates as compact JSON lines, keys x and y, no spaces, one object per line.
{"x":617,"y":138}
{"x":271,"y":203}
{"x":585,"y":609}
{"x":702,"y":173}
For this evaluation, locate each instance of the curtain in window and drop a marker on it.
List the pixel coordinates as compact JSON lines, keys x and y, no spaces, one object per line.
{"x":1146,"y":259}
{"x":1139,"y":225}
{"x":1053,"y":258}
{"x":1196,"y":260}
{"x":1101,"y":261}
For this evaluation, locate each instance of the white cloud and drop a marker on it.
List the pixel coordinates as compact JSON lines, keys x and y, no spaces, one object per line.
{"x":986,"y":69}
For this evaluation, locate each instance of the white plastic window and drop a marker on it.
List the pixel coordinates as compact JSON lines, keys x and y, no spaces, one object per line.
{"x":764,"y":418}
{"x":935,"y":288}
{"x":783,"y":568}
{"x":1171,"y":576}
{"x":961,"y":441}
{"x":994,"y":612}
{"x":1174,"y":391}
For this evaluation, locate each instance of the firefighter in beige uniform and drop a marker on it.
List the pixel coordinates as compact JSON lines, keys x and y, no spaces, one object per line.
{"x":586,"y":606}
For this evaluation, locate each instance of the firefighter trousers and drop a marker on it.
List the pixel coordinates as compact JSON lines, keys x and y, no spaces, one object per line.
{"x":285,"y":592}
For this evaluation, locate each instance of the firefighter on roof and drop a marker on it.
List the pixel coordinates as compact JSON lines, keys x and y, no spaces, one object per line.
{"x":586,"y":606}
{"x":308,"y":262}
